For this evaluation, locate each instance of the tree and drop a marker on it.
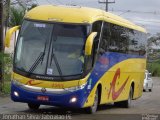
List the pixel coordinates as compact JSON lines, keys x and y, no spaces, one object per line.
{"x":14,"y":11}
{"x":1,"y":43}
{"x":24,"y":3}
{"x":154,"y":41}
{"x":16,"y":16}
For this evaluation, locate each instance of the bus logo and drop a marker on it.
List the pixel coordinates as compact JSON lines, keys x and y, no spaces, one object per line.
{"x":32,"y":83}
{"x":115,"y":94}
{"x":43,"y":90}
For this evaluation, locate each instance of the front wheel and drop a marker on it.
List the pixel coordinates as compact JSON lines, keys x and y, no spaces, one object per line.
{"x":33,"y":106}
{"x":93,"y":108}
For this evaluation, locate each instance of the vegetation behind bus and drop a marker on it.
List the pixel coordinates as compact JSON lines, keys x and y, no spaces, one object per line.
{"x":16,"y":16}
{"x":7,"y":61}
{"x":154,"y":68}
{"x":154,"y":55}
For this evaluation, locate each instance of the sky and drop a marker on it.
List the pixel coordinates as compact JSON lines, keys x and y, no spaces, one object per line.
{"x":145,"y":13}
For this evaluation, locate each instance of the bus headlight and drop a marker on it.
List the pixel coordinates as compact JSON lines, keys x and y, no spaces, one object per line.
{"x":16,"y":93}
{"x":73,"y":100}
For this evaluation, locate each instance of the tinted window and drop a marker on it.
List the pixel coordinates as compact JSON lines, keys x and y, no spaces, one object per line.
{"x":114,"y":38}
{"x":138,"y":42}
{"x":123,"y":40}
{"x":96,"y":27}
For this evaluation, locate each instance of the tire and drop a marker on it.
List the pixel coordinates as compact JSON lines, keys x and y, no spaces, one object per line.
{"x":126,"y":103}
{"x":93,"y":108}
{"x":33,"y":106}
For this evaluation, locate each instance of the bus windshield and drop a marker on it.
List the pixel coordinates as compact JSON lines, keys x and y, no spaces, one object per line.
{"x":52,"y":49}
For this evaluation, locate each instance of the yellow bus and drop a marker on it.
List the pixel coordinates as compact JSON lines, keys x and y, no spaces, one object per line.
{"x":77,"y":57}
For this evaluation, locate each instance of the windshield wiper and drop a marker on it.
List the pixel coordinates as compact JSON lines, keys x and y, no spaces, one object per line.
{"x":40,"y":57}
{"x":37,"y":61}
{"x":57,"y":65}
{"x":56,"y":62}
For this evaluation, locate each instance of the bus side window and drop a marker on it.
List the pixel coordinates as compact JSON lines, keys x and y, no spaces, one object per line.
{"x":137,"y":42}
{"x":106,"y":39}
{"x":117,"y":39}
{"x":96,"y":27}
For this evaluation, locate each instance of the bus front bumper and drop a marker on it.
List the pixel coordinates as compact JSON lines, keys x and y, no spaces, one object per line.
{"x":74,"y":99}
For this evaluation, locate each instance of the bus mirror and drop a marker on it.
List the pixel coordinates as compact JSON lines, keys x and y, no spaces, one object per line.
{"x":9,"y":35}
{"x":89,"y":43}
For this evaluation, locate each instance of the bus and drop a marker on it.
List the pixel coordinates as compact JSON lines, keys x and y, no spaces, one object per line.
{"x":77,"y":57}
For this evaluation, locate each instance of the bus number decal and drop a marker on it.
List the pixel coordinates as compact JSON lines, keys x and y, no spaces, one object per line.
{"x":115,"y":94}
{"x":57,"y":85}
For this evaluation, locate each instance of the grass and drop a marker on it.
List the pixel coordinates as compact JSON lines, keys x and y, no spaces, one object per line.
{"x":154,"y":68}
{"x":7,"y":87}
{"x":7,"y":62}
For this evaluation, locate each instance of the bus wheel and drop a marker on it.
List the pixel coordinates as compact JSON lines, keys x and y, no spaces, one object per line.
{"x":33,"y":106}
{"x":126,"y":103}
{"x":93,"y":108}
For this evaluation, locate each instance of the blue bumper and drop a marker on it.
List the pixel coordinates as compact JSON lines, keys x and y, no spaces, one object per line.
{"x":54,"y":99}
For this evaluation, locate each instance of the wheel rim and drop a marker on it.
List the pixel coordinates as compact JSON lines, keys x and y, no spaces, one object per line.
{"x":130,"y":98}
{"x":95,"y":104}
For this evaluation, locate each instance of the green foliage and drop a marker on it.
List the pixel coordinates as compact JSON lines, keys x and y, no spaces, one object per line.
{"x":154,"y":68}
{"x":7,"y":62}
{"x":7,"y":87}
{"x":7,"y":69}
{"x":16,"y":16}
{"x":154,"y":40}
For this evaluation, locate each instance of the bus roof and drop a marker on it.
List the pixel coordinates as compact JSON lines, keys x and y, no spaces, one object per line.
{"x":77,"y":14}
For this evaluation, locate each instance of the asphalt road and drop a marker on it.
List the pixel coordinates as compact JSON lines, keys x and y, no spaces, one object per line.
{"x":145,"y":108}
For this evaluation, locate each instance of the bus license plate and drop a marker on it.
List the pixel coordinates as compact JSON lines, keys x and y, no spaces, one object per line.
{"x":43,"y":98}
